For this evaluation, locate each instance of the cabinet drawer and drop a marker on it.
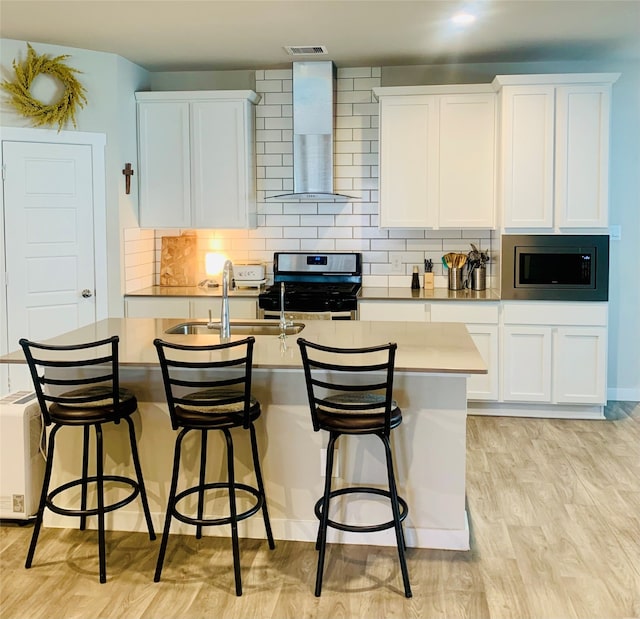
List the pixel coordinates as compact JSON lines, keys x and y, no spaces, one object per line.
{"x":409,"y":311}
{"x":554,"y":313}
{"x":479,"y":313}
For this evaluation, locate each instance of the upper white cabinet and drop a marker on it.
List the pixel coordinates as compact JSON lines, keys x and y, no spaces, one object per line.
{"x":196,"y":159}
{"x":554,"y":150}
{"x":437,"y":156}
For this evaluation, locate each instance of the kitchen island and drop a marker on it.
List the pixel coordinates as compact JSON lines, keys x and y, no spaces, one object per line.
{"x":433,"y":362}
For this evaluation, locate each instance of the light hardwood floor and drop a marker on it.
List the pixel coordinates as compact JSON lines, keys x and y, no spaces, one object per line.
{"x":554,"y":512}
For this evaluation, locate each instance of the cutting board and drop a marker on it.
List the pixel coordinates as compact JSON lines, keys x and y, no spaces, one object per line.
{"x":178,"y":261}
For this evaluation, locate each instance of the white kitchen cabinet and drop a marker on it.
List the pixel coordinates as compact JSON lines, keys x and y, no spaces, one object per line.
{"x":189,"y":307}
{"x":554,"y":150}
{"x":196,"y":159}
{"x":393,"y":311}
{"x":554,"y":352}
{"x":481,"y":320}
{"x":437,"y":156}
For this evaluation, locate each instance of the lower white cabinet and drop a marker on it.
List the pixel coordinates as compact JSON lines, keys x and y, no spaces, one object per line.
{"x":481,"y":320}
{"x":189,"y":307}
{"x":536,"y":351}
{"x":554,"y":352}
{"x":394,"y":311}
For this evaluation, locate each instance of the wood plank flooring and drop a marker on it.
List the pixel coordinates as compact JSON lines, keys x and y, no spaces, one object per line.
{"x":554,"y":512}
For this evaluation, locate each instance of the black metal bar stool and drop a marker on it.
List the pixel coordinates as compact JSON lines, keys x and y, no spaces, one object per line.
{"x":350,"y":392}
{"x":209,"y":388}
{"x":91,"y":371}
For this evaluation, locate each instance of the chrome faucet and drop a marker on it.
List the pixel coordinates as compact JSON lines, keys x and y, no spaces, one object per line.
{"x":225,"y":328}
{"x":283,"y":319}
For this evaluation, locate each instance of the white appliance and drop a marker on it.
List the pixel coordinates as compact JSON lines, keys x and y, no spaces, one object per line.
{"x":21,"y":459}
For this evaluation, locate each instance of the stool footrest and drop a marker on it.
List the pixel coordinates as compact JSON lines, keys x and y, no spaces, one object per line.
{"x":221,"y":520}
{"x":404,"y":510}
{"x":67,"y":511}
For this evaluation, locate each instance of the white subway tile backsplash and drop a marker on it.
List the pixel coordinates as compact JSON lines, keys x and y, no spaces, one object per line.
{"x":300,"y":232}
{"x":283,"y":220}
{"x":332,"y":232}
{"x":277,"y":123}
{"x":354,"y":72}
{"x":317,"y":245}
{"x":277,"y":98}
{"x":268,"y":85}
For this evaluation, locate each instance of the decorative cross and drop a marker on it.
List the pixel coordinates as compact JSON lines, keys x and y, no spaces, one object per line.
{"x":128,"y":173}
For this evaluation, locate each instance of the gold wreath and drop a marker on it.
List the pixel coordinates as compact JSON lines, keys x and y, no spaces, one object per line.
{"x":58,"y":112}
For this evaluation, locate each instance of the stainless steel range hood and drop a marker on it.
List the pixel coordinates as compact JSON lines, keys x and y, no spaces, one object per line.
{"x":314,"y":89}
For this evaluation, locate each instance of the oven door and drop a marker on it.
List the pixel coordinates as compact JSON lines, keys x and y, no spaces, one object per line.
{"x":289,"y":315}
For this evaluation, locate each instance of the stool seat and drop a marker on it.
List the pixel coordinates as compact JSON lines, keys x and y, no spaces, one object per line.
{"x":348,"y":417}
{"x":209,"y":388}
{"x":90,"y":402}
{"x":98,"y":409}
{"x":350,"y":393}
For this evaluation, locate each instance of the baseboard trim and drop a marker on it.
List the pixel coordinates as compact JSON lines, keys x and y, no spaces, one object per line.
{"x":623,"y":394}
{"x":292,"y":530}
{"x":542,"y":411}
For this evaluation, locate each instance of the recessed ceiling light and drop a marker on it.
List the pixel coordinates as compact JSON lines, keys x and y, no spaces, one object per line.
{"x":463,"y":19}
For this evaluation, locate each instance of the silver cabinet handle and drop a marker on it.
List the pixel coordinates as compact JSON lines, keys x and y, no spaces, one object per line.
{"x":86,"y":293}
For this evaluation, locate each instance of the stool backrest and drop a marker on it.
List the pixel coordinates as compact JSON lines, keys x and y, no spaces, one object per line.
{"x":83,"y":365}
{"x":330,"y":371}
{"x":191,"y":368}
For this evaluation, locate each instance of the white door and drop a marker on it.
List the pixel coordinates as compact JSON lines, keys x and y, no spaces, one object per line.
{"x":48,"y":204}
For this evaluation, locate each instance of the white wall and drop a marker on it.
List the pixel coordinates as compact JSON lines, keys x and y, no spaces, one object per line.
{"x":110,"y":82}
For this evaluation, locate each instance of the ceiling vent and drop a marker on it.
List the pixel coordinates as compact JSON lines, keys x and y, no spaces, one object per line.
{"x":306,"y":50}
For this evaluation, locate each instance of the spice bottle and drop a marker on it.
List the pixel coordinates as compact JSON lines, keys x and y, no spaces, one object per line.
{"x":415,"y":279}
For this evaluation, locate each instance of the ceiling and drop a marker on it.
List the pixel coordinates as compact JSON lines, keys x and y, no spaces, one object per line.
{"x":183,"y":35}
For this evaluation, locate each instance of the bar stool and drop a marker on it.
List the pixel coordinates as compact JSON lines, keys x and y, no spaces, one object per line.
{"x":96,"y":398}
{"x":209,"y":388}
{"x":350,"y":392}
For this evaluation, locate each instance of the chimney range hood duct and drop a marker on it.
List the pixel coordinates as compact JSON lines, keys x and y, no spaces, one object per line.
{"x":314,"y":86}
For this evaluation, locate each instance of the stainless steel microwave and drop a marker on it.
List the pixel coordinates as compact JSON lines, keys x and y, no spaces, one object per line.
{"x":555,"y":267}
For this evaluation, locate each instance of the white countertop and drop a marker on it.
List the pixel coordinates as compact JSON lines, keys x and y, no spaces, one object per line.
{"x":192,"y":291}
{"x":425,"y":294}
{"x":439,"y":348}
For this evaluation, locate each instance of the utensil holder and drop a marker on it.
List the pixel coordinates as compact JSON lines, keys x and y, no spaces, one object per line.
{"x":479,"y":278}
{"x":455,"y":279}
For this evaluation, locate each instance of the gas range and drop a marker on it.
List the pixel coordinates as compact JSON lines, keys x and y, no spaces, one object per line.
{"x":323,"y":283}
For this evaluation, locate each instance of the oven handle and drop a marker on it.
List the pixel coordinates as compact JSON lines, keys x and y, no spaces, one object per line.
{"x":275,"y":315}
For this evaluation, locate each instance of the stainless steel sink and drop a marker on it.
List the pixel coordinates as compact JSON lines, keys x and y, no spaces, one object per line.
{"x":237,"y":328}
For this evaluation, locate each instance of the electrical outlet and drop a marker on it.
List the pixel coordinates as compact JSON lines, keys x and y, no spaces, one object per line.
{"x":323,"y":462}
{"x":396,"y":263}
{"x":615,"y":232}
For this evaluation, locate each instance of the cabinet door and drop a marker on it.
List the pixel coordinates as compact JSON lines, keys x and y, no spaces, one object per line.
{"x":582,"y":154}
{"x":580,"y":365}
{"x":467,"y":161}
{"x":409,"y":311}
{"x":485,"y":386}
{"x":220,"y":167}
{"x":164,"y":164}
{"x":408,"y":162}
{"x":526,"y":364}
{"x":528,"y":156}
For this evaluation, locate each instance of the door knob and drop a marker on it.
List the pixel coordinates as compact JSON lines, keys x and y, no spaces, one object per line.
{"x":86,"y":293}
